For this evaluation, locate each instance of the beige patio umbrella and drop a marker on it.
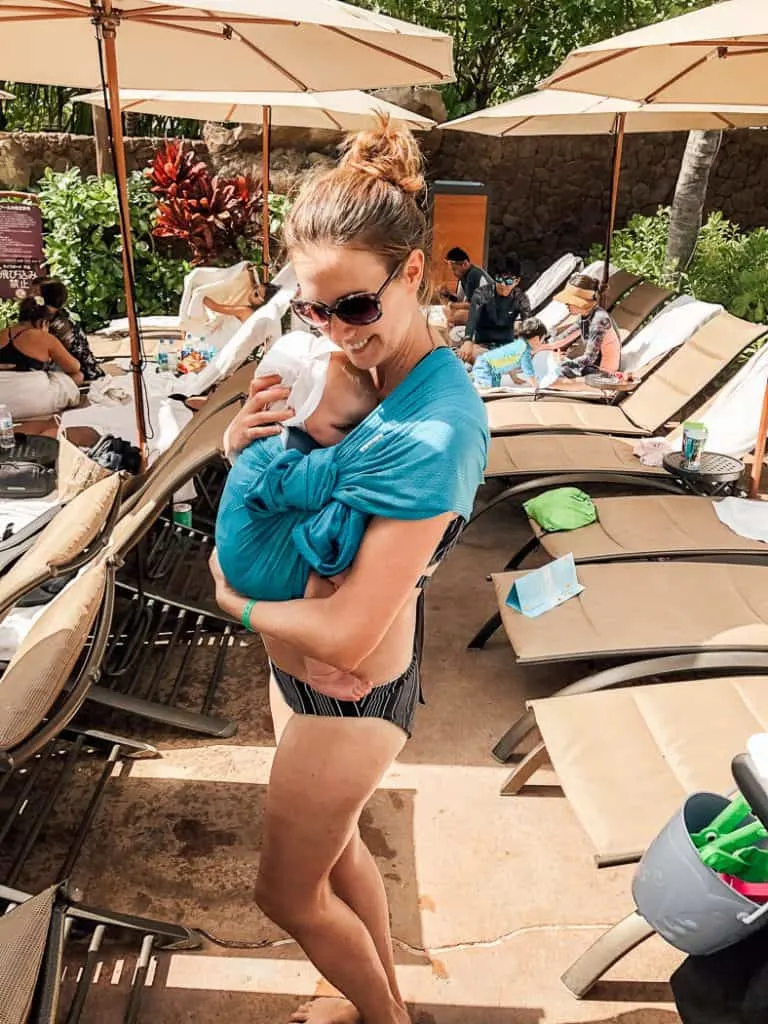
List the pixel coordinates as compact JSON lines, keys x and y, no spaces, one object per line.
{"x":348,"y":110}
{"x":550,"y":112}
{"x":715,"y":55}
{"x":294,"y":45}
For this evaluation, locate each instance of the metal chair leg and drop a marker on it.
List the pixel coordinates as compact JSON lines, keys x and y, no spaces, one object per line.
{"x":481,"y":638}
{"x":625,"y":936}
{"x":531,"y":763}
{"x":208,"y":725}
{"x":513,"y":737}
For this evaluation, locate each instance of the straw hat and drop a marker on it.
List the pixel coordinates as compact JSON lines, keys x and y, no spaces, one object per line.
{"x":581,"y":298}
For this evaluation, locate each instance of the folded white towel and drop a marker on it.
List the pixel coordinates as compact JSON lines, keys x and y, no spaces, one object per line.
{"x":744,"y":516}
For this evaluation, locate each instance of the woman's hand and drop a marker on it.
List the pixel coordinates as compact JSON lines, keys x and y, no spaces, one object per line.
{"x":256,"y":419}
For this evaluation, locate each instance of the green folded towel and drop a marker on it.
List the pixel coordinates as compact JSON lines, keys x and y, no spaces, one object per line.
{"x":564,"y":508}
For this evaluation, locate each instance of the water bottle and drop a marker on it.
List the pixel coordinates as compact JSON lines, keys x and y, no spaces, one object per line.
{"x":188,"y":346}
{"x":162,"y":354}
{"x":7,"y":436}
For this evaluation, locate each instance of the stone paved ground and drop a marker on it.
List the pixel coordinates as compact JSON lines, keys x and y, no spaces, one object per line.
{"x":492,"y":898}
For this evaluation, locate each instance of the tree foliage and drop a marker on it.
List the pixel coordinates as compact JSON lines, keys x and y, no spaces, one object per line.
{"x":504,"y":47}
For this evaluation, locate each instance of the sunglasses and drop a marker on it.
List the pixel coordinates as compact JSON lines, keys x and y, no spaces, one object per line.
{"x":358,"y":309}
{"x":501,"y":279}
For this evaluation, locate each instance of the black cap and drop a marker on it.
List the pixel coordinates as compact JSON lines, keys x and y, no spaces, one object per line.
{"x":457,"y":255}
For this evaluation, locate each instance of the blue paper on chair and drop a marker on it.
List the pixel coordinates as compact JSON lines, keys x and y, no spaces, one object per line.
{"x":545,"y":588}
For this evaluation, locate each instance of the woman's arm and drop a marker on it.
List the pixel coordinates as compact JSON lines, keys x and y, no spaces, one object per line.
{"x":64,"y":359}
{"x":343,"y":629}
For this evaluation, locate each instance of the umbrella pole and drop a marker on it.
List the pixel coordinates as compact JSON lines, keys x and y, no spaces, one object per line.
{"x":757,"y":465}
{"x":618,"y":146}
{"x":109,"y":33}
{"x":265,"y":145}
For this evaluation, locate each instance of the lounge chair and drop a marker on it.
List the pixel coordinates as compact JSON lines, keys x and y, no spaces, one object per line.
{"x":666,"y":740}
{"x":635,"y":306}
{"x":619,"y":283}
{"x":640,"y":527}
{"x":670,"y":328}
{"x":36,"y":930}
{"x":532,"y":462}
{"x":552,"y":280}
{"x":673,"y":385}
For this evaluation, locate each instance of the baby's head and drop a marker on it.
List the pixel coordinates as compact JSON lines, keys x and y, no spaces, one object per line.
{"x":329,"y":395}
{"x":533,"y":332}
{"x":349,"y":397}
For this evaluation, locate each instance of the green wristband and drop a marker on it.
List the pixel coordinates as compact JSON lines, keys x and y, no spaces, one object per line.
{"x":245,"y":618}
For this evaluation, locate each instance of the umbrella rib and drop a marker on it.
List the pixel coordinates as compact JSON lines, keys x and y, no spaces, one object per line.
{"x":230,"y":112}
{"x":331,"y":118}
{"x":726,"y":122}
{"x":517,"y":124}
{"x":385,"y":51}
{"x":174,"y":25}
{"x":203,"y":16}
{"x":48,"y":16}
{"x":587,"y":67}
{"x":681,"y":74}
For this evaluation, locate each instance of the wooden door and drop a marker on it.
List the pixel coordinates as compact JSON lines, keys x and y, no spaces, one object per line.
{"x":457,"y":220}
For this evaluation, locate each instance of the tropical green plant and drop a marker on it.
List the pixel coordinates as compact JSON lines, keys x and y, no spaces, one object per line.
{"x":729,"y":265}
{"x":83,"y":248}
{"x":8,"y":312}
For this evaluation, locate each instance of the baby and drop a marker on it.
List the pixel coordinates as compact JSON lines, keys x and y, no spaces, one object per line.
{"x":516,"y":358}
{"x":330,"y":397}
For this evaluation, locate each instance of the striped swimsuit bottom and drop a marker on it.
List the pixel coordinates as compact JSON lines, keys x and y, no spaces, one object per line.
{"x":394,"y":701}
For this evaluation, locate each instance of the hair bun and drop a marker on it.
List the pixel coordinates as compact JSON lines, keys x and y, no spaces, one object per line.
{"x":388,"y":153}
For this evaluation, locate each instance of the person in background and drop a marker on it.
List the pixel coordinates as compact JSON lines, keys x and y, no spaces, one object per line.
{"x":62,"y":326}
{"x":469,"y":277}
{"x":593,"y":328}
{"x":515,"y":358}
{"x":29,"y":345}
{"x":494,"y":313}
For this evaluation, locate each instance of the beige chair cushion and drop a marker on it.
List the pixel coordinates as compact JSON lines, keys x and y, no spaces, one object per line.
{"x":41,"y":667}
{"x":633,"y":309}
{"x":627,"y":758}
{"x":689,"y":369}
{"x":645,"y":608}
{"x":648,"y":524}
{"x":540,"y":454}
{"x":511,"y":415}
{"x":23,"y":941}
{"x":67,"y":535}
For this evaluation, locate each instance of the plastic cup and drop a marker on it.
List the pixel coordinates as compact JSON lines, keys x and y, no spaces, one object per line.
{"x":694,"y":439}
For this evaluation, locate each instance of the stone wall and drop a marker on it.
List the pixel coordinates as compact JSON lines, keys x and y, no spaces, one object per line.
{"x":548,"y":195}
{"x":551,"y":194}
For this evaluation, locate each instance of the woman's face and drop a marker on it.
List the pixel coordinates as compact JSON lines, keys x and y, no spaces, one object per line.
{"x":326,"y":273}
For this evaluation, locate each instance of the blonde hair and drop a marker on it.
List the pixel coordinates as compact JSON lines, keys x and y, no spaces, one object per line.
{"x":371,"y":200}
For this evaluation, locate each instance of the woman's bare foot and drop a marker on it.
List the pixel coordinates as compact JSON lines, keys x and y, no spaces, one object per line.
{"x":326,"y":1011}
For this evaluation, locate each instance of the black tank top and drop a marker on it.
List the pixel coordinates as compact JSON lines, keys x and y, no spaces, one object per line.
{"x":12,"y":358}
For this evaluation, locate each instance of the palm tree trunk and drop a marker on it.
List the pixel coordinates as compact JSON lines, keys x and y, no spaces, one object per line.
{"x":688,"y":204}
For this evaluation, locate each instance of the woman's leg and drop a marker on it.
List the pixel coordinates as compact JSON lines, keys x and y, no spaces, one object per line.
{"x":356,"y":879}
{"x":324,"y":772}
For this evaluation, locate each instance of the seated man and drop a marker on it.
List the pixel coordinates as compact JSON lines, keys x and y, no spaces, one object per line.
{"x":515,"y":358}
{"x":593,"y":328}
{"x":493,"y":313}
{"x":470,"y":278}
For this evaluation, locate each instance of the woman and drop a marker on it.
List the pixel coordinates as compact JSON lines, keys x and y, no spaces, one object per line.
{"x":357,"y":238}
{"x":62,"y":326}
{"x":593,"y":329}
{"x":29,"y":345}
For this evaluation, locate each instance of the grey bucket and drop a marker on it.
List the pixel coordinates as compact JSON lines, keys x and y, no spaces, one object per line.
{"x":686,"y":902}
